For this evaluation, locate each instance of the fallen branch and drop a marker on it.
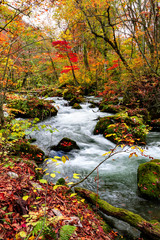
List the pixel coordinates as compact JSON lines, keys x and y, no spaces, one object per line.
{"x":151,"y":229}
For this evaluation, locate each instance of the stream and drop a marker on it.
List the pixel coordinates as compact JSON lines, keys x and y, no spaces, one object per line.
{"x":117,"y":176}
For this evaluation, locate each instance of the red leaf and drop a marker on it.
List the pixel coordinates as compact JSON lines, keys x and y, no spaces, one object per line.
{"x":113,"y":67}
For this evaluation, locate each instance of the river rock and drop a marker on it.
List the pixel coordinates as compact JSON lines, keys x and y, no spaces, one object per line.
{"x":149,"y":179}
{"x":76,"y":106}
{"x":112,"y":108}
{"x":122,"y":128}
{"x":66,"y":145}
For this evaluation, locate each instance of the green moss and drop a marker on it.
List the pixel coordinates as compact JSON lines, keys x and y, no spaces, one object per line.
{"x":112,"y":108}
{"x":25,"y":148}
{"x":149,"y":179}
{"x":67,"y":94}
{"x":76,"y":106}
{"x":32,"y":108}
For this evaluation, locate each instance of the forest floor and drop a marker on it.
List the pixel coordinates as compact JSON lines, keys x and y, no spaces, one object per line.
{"x":35,"y":209}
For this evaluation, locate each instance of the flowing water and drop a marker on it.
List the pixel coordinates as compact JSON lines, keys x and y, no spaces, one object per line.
{"x":117,"y":176}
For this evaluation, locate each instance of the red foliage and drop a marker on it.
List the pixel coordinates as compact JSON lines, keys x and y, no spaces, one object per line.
{"x":113,"y":67}
{"x":69,"y":68}
{"x":66,"y":144}
{"x":13,"y":207}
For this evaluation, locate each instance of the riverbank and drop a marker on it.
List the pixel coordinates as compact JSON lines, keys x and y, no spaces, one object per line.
{"x":32,"y":208}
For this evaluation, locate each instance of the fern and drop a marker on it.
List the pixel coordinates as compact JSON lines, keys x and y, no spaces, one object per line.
{"x":66,"y":232}
{"x":48,"y":233}
{"x":38,"y":227}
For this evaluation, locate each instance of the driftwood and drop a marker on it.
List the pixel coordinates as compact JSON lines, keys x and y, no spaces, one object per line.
{"x":149,"y":228}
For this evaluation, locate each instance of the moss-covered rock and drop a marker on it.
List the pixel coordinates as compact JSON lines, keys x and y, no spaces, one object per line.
{"x":149,"y":179}
{"x":66,"y":145}
{"x":50,"y":92}
{"x":67,"y":94}
{"x":112,"y":108}
{"x":76,"y":106}
{"x":76,"y":99}
{"x":23,"y":147}
{"x":122,"y":128}
{"x":139,"y":112}
{"x":32,"y":108}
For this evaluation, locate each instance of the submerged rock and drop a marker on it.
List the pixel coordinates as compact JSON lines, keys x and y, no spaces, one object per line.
{"x":66,"y":145}
{"x":149,"y":179}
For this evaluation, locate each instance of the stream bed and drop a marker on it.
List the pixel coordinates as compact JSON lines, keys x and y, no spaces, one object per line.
{"x":117,"y":176}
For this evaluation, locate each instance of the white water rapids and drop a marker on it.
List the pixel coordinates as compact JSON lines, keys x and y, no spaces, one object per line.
{"x":117,"y":176}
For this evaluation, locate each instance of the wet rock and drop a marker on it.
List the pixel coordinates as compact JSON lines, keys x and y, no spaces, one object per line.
{"x":76,"y":106}
{"x":149,"y":179}
{"x":66,"y":145}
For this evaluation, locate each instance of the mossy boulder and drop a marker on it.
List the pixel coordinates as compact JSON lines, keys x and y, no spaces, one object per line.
{"x":149,"y":179}
{"x":120,"y":128}
{"x":76,"y":99}
{"x":68,"y":94}
{"x":66,"y":145}
{"x":112,"y":108}
{"x":32,"y":108}
{"x":139,"y":112}
{"x":76,"y":106}
{"x":22,"y":148}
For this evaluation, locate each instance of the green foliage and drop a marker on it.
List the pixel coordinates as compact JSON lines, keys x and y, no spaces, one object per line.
{"x":66,"y":232}
{"x":49,"y":233}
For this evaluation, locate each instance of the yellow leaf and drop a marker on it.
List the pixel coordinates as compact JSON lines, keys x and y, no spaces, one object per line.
{"x":136,"y":155}
{"x":73,"y":194}
{"x":43,"y":181}
{"x":53,"y":175}
{"x":56,"y":186}
{"x":25,"y":198}
{"x":23,"y":234}
{"x":63,"y":159}
{"x":70,"y":183}
{"x":54,"y":160}
{"x":57,"y":157}
{"x":75,"y":175}
{"x":106,"y":153}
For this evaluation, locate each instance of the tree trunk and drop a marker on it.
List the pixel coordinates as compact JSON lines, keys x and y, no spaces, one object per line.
{"x":1,"y":112}
{"x":151,"y":229}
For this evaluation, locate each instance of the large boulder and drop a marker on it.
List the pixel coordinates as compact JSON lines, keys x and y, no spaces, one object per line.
{"x":149,"y":179}
{"x":120,"y":128}
{"x":65,"y":145}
